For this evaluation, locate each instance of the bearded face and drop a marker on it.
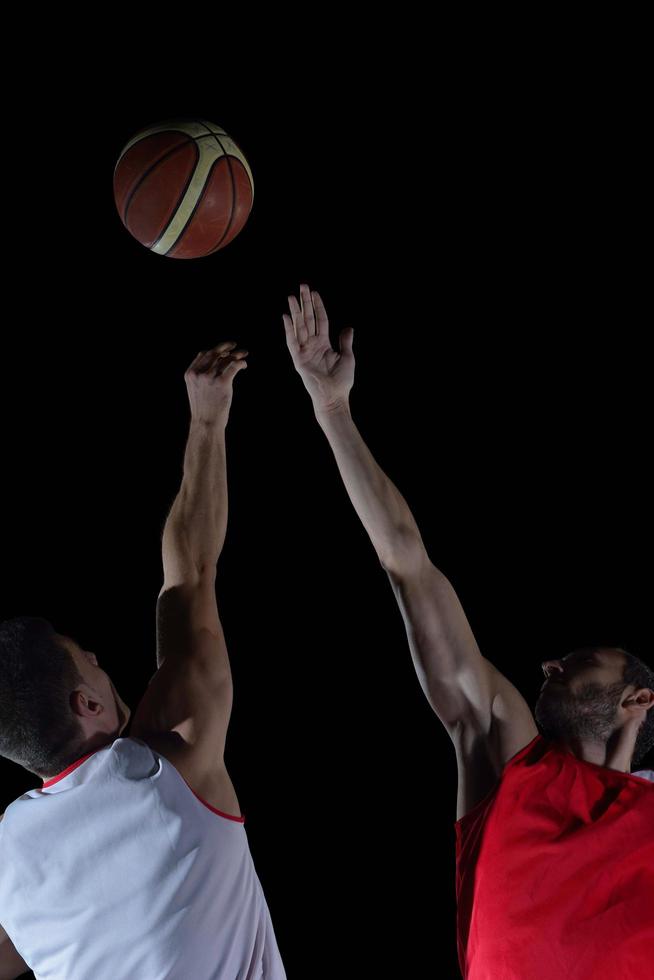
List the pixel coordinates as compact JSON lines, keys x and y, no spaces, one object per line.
{"x":585,"y":710}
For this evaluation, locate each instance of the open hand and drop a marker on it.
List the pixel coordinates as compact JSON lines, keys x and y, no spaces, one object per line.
{"x":209,"y":379}
{"x":328,"y":376}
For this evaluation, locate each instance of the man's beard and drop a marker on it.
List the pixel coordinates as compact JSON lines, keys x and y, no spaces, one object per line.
{"x":587,"y":713}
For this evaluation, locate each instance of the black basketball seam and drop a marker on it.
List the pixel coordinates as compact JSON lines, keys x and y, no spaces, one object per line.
{"x":167,"y":154}
{"x":170,"y":126}
{"x":172,"y":129}
{"x":190,"y":139}
{"x":231,"y":177}
{"x":228,"y":158}
{"x":204,"y":190}
{"x":215,"y":247}
{"x":191,"y":215}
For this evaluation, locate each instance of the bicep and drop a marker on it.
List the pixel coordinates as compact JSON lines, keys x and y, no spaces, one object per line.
{"x":188,"y":625}
{"x":453,"y":674}
{"x":484,"y":747}
{"x":513,"y":722}
{"x":484,"y":714}
{"x":464,"y":688}
{"x":191,"y":692}
{"x":183,"y":698}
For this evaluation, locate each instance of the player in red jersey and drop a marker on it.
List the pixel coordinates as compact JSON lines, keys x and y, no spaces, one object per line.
{"x":554,"y":841}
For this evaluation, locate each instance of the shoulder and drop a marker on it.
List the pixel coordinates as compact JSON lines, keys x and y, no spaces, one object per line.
{"x":208,"y":780}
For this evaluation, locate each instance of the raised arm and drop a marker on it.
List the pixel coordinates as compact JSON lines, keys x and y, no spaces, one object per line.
{"x":186,"y":708}
{"x":472,"y":699}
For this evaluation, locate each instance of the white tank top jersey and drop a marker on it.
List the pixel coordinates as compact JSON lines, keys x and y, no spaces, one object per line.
{"x":117,"y":870}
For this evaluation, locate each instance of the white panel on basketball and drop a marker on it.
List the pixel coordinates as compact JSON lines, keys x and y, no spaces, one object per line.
{"x":230,"y":147}
{"x":209,"y":151}
{"x":192,"y":129}
{"x":213,"y":127}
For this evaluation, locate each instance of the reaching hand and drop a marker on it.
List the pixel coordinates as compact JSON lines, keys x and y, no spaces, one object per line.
{"x":209,"y":379}
{"x":328,"y":376}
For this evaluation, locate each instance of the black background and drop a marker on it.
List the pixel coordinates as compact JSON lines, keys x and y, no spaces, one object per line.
{"x":469,"y":201}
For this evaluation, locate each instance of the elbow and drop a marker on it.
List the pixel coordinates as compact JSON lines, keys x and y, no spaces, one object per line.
{"x":405,"y":556}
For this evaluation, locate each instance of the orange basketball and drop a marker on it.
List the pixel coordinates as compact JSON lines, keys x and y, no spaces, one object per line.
{"x":183,"y":188}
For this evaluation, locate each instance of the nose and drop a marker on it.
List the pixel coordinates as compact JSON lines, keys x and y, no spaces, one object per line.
{"x":549,"y":666}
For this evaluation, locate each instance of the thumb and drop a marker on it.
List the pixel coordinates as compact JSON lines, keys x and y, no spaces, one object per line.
{"x":345,"y":340}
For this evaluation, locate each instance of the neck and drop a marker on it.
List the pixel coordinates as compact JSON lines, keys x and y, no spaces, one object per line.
{"x":97,"y":741}
{"x":616,"y":753}
{"x":94,"y":743}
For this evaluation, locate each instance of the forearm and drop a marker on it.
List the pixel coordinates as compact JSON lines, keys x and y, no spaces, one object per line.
{"x":197,"y":522}
{"x":382,"y":509}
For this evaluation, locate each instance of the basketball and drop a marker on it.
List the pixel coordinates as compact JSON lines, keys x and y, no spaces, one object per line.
{"x":183,"y":188}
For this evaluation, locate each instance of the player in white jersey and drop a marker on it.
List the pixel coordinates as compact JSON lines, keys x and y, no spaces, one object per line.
{"x":131,"y":860}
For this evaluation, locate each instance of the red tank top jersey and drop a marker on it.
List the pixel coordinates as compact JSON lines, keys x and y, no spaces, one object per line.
{"x":555,"y":872}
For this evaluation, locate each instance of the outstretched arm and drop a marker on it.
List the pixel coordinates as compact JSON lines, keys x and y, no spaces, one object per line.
{"x":189,"y":699}
{"x":463,"y":688}
{"x":194,"y":532}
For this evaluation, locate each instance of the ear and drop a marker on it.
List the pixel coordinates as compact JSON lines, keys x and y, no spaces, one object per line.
{"x":638,"y":700}
{"x":84,"y":704}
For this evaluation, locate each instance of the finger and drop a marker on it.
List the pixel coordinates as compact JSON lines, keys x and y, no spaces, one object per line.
{"x":345,"y":340}
{"x":321,"y":315}
{"x":298,"y":321}
{"x":224,"y":367}
{"x":307,"y":310}
{"x":232,"y":369}
{"x":239,"y":352}
{"x":223,"y":357}
{"x":227,"y":356}
{"x":224,"y":345}
{"x":200,"y":361}
{"x":206,"y":361}
{"x":291,"y":339}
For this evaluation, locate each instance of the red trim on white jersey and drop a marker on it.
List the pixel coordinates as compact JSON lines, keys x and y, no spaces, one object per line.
{"x":66,"y":772}
{"x":74,"y":765}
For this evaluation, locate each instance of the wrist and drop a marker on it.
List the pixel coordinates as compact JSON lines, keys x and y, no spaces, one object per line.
{"x":209,"y":426}
{"x":335,"y":409}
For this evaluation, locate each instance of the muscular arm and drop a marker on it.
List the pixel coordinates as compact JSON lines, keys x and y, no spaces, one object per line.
{"x":484,"y":714}
{"x":442,"y":644}
{"x":470,"y":696}
{"x":188,"y":700}
{"x":382,"y":509}
{"x":193,"y":538}
{"x":197,"y":522}
{"x":429,"y":605}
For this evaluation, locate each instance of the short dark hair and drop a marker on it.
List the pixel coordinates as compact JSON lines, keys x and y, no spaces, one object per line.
{"x":38,"y":730}
{"x":640,"y":675}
